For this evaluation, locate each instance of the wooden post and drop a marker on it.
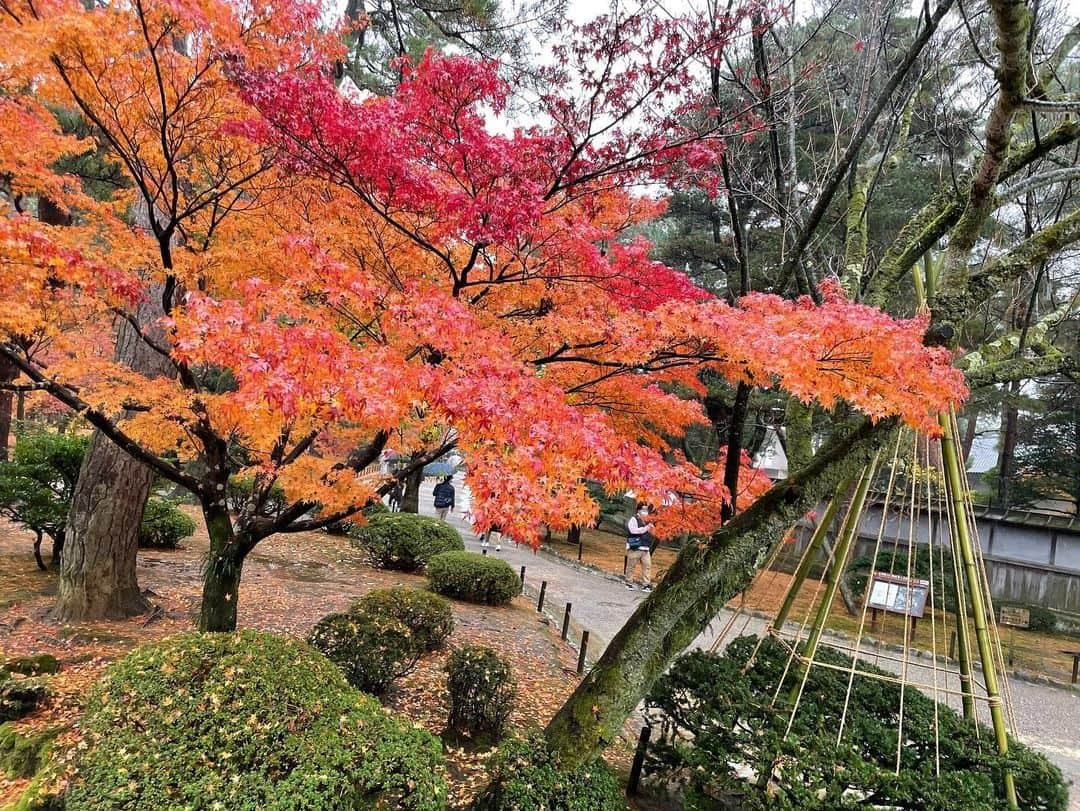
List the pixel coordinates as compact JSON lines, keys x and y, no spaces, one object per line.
{"x":566,"y":622}
{"x":523,"y":575}
{"x":540,"y":601}
{"x":581,"y":654}
{"x":639,"y":760}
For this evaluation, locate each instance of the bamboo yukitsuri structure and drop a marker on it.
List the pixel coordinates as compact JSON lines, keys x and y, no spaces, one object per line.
{"x":933,"y":468}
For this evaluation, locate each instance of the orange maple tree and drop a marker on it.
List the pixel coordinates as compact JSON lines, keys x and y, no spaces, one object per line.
{"x":388,"y":272}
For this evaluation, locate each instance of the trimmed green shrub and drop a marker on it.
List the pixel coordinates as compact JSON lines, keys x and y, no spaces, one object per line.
{"x":482,"y":691}
{"x":245,"y":721}
{"x":527,"y":777}
{"x":405,"y":541}
{"x":472,"y":577}
{"x":44,"y":663}
{"x":371,"y":651}
{"x":429,"y":617}
{"x":22,"y":755}
{"x":718,"y":722}
{"x":163,"y":525}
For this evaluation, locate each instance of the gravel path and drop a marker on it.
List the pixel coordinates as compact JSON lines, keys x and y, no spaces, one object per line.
{"x":1048,"y":718}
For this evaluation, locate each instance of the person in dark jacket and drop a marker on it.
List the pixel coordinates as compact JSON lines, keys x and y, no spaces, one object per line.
{"x":444,"y":498}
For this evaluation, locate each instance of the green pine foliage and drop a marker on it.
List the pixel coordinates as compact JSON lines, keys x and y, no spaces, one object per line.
{"x":246,"y":721}
{"x":719,"y":724}
{"x":473,"y":578}
{"x":405,"y":541}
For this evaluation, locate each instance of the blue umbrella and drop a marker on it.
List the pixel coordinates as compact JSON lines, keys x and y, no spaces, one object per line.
{"x":438,"y":469}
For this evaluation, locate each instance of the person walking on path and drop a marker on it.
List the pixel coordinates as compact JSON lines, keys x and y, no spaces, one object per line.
{"x":444,"y":498}
{"x":638,"y":542}
{"x":492,"y":532}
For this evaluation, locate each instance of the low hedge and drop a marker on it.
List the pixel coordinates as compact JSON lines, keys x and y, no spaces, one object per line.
{"x":472,"y":577}
{"x":245,"y":721}
{"x":405,"y":541}
{"x":527,"y":776}
{"x":482,"y":690}
{"x":429,"y":617}
{"x":164,"y":525}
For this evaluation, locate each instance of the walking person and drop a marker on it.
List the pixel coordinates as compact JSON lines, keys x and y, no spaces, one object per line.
{"x":444,"y":498}
{"x":492,"y":532}
{"x":638,"y":543}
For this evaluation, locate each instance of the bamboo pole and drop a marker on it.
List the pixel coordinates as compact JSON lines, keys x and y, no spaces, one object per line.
{"x":834,"y":573}
{"x":962,"y":539}
{"x":812,"y":548}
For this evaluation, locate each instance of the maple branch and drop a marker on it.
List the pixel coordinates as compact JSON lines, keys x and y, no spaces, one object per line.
{"x":102,"y":422}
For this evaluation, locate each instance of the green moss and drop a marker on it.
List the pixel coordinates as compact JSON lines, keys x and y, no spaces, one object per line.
{"x":33,"y":665}
{"x":22,"y":755}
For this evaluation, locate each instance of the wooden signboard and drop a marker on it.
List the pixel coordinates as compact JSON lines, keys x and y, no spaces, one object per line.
{"x":897,"y":594}
{"x":1016,"y":617}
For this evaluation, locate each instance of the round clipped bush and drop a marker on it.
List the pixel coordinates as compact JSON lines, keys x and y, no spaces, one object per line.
{"x":527,"y":776}
{"x":163,"y":525}
{"x":429,"y":617}
{"x":472,"y":577}
{"x":482,"y":690}
{"x":370,"y":650}
{"x":405,"y":541}
{"x":245,"y":721}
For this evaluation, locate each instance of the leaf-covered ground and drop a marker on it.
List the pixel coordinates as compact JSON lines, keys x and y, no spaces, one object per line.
{"x":290,"y":581}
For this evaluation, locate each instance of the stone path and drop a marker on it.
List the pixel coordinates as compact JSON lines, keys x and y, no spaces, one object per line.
{"x":1048,"y":718}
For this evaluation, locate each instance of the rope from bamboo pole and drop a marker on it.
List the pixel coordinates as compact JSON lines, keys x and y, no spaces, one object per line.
{"x":865,"y":607}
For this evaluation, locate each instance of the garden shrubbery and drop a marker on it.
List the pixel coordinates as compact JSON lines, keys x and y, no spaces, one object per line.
{"x":718,"y":723}
{"x":164,"y":525}
{"x":527,"y":777}
{"x":429,"y":617}
{"x":482,"y":691}
{"x":243,"y":721}
{"x":472,"y":577}
{"x":383,"y":635}
{"x":405,"y":541}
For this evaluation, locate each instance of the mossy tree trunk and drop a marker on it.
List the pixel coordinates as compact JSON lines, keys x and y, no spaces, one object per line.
{"x":224,"y":565}
{"x":696,"y":586}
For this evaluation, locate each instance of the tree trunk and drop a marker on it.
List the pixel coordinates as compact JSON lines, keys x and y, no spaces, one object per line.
{"x":8,"y":373}
{"x":97,"y":567}
{"x":1007,"y":454}
{"x":410,"y":502}
{"x":688,"y":598}
{"x":221,"y":581}
{"x":38,"y":536}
